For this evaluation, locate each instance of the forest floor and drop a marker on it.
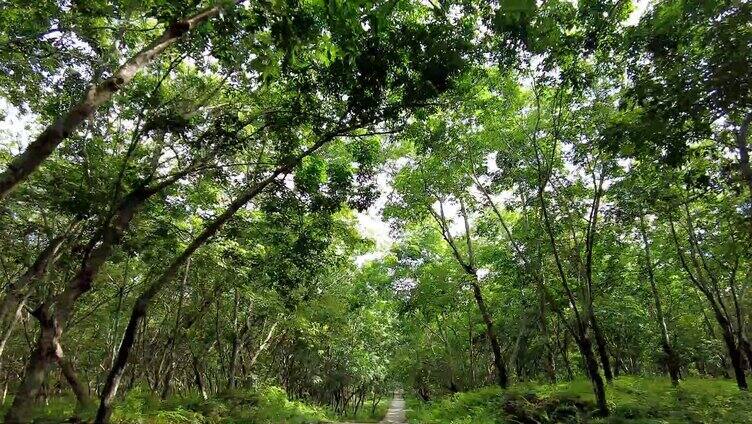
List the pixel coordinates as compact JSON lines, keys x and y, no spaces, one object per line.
{"x":643,"y":400}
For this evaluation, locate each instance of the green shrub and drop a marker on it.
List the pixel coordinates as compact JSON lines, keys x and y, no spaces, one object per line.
{"x":631,"y":399}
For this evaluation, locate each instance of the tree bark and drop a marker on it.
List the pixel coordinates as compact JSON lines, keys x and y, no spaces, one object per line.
{"x":79,"y":390}
{"x":591,"y":364}
{"x":198,"y":378}
{"x":98,"y":94}
{"x":672,"y":361}
{"x":47,"y":352}
{"x":501,"y":371}
{"x":600,"y":341}
{"x":235,"y":344}
{"x":36,"y":271}
{"x":11,"y":325}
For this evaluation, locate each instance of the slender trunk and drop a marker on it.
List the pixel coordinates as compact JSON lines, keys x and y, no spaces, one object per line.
{"x":549,"y":361}
{"x":175,"y":335}
{"x":600,"y":341}
{"x":97,"y":95}
{"x":235,"y":343}
{"x":591,"y":364}
{"x":672,"y":361}
{"x":264,"y":344}
{"x":734,"y":352}
{"x":563,"y":346}
{"x":744,"y":346}
{"x":41,"y":359}
{"x":37,"y":271}
{"x":501,"y":371}
{"x":518,"y":346}
{"x":79,"y":390}
{"x":502,"y":378}
{"x":11,"y":326}
{"x":198,"y":378}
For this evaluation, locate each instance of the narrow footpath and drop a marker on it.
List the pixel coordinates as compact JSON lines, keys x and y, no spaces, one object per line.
{"x":396,"y":412}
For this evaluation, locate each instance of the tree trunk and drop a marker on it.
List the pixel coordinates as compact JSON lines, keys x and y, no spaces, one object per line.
{"x":175,"y":335}
{"x":736,"y":357}
{"x":235,"y":344}
{"x":11,"y":326}
{"x":98,"y":94}
{"x":501,"y":371}
{"x":15,"y":299}
{"x":591,"y":364}
{"x":42,"y":357}
{"x":79,"y":390}
{"x":600,"y":341}
{"x":672,"y":361}
{"x":198,"y":378}
{"x":514,"y":360}
{"x":97,"y":252}
{"x":549,"y":361}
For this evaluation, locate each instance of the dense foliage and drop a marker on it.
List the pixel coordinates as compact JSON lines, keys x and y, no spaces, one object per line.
{"x":562,"y":190}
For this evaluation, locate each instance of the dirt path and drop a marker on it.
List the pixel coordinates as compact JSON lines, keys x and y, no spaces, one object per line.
{"x":396,"y":412}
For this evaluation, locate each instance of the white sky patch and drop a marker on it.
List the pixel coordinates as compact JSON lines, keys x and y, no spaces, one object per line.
{"x":371,"y":224}
{"x":16,"y":127}
{"x":640,"y":7}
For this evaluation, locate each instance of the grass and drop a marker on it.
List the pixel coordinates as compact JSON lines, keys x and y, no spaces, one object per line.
{"x":631,"y":399}
{"x":266,"y":406}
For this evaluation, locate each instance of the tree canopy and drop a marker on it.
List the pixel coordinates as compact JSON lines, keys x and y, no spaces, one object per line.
{"x":560,"y":191}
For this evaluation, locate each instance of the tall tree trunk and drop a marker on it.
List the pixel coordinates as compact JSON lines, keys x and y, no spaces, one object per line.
{"x":735,"y":354}
{"x":37,"y":271}
{"x":198,"y":377}
{"x":591,"y":364}
{"x":175,"y":334}
{"x":98,"y":94}
{"x":79,"y":390}
{"x":600,"y":341}
{"x":11,"y":325}
{"x":672,"y":361}
{"x":235,"y":343}
{"x":514,"y":360}
{"x":549,"y":361}
{"x":501,"y":371}
{"x":47,"y":352}
{"x":264,"y":345}
{"x":42,"y":357}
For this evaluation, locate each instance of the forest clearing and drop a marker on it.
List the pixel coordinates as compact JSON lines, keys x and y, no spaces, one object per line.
{"x":363,"y":211}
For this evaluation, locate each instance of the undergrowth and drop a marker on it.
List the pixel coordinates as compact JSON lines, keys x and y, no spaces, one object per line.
{"x":631,"y":400}
{"x":265,"y":406}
